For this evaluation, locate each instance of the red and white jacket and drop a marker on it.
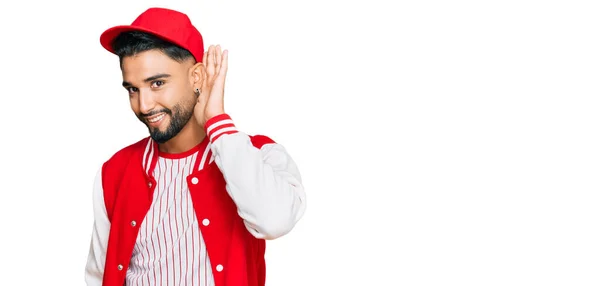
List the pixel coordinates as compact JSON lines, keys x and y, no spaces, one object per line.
{"x":251,"y":192}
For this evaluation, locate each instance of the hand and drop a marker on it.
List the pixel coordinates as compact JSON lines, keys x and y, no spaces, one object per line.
{"x":210,"y":102}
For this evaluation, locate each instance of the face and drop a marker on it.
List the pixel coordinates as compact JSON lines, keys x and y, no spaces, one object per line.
{"x":161,"y":92}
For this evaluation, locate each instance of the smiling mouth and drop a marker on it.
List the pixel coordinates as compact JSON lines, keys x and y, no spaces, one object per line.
{"x":156,"y":118}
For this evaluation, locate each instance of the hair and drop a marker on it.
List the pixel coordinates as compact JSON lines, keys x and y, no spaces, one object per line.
{"x":131,"y":43}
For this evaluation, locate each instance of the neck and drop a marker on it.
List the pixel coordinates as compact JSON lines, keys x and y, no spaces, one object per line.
{"x":190,"y":136}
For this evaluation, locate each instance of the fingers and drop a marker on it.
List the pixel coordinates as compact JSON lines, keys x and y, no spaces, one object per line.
{"x":215,"y":60}
{"x":214,"y":53}
{"x":223,"y":65}
{"x":218,"y":59}
{"x":210,"y":63}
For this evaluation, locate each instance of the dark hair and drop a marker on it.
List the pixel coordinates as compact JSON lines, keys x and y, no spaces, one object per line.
{"x":130,"y":43}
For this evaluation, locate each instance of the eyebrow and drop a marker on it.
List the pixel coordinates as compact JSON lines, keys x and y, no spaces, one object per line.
{"x":154,"y":77}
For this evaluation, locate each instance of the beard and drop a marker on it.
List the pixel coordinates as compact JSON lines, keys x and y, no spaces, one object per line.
{"x":180,"y":116}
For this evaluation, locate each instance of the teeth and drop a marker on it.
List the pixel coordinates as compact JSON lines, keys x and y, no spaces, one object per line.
{"x":156,"y":119}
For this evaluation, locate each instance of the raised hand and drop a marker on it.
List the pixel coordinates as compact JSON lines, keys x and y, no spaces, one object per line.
{"x":210,"y":102}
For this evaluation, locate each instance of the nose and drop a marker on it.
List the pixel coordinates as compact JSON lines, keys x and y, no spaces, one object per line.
{"x":146,"y":101}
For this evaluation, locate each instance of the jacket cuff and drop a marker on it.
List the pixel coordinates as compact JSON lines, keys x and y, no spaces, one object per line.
{"x":219,"y":125}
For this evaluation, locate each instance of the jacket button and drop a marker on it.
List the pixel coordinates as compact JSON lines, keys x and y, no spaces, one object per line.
{"x":219,"y":268}
{"x":149,"y":184}
{"x":120,"y":267}
{"x":194,"y":180}
{"x":133,"y":223}
{"x":205,"y":222}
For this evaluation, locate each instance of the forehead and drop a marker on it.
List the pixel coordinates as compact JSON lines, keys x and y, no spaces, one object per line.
{"x":148,"y":63}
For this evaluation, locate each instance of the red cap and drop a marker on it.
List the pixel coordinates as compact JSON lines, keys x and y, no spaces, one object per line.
{"x":169,"y":25}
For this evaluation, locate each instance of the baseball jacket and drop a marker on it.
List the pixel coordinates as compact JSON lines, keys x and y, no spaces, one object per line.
{"x":251,"y":191}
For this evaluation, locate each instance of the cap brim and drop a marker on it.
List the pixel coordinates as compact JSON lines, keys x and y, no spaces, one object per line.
{"x":109,"y":35}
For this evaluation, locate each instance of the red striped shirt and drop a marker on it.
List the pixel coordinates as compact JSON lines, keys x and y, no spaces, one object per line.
{"x":169,"y":249}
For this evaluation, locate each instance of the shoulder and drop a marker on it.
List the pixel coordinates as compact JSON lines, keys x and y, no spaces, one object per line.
{"x":114,"y":169}
{"x":259,"y":140}
{"x":116,"y":164}
{"x":223,"y":124}
{"x":125,"y":154}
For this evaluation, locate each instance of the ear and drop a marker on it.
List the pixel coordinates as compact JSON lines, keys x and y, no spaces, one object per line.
{"x":196,"y":73}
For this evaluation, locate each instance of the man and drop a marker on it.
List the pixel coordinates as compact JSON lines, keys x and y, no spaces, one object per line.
{"x":193,"y":203}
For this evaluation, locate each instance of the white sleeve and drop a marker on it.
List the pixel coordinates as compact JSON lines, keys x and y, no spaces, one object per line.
{"x":264,"y":183}
{"x":94,"y":269}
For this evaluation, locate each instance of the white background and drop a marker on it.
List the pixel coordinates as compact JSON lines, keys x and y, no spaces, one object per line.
{"x":440,"y":142}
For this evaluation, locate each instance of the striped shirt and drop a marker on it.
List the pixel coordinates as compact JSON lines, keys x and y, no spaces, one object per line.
{"x":169,"y":249}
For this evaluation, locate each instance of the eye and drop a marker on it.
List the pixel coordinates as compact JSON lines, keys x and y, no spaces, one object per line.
{"x":157,"y":83}
{"x":132,"y":89}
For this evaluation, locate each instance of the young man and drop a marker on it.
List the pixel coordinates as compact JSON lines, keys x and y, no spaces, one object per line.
{"x":193,"y":203}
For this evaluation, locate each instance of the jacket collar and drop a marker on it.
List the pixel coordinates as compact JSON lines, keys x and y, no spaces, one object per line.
{"x":150,"y":156}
